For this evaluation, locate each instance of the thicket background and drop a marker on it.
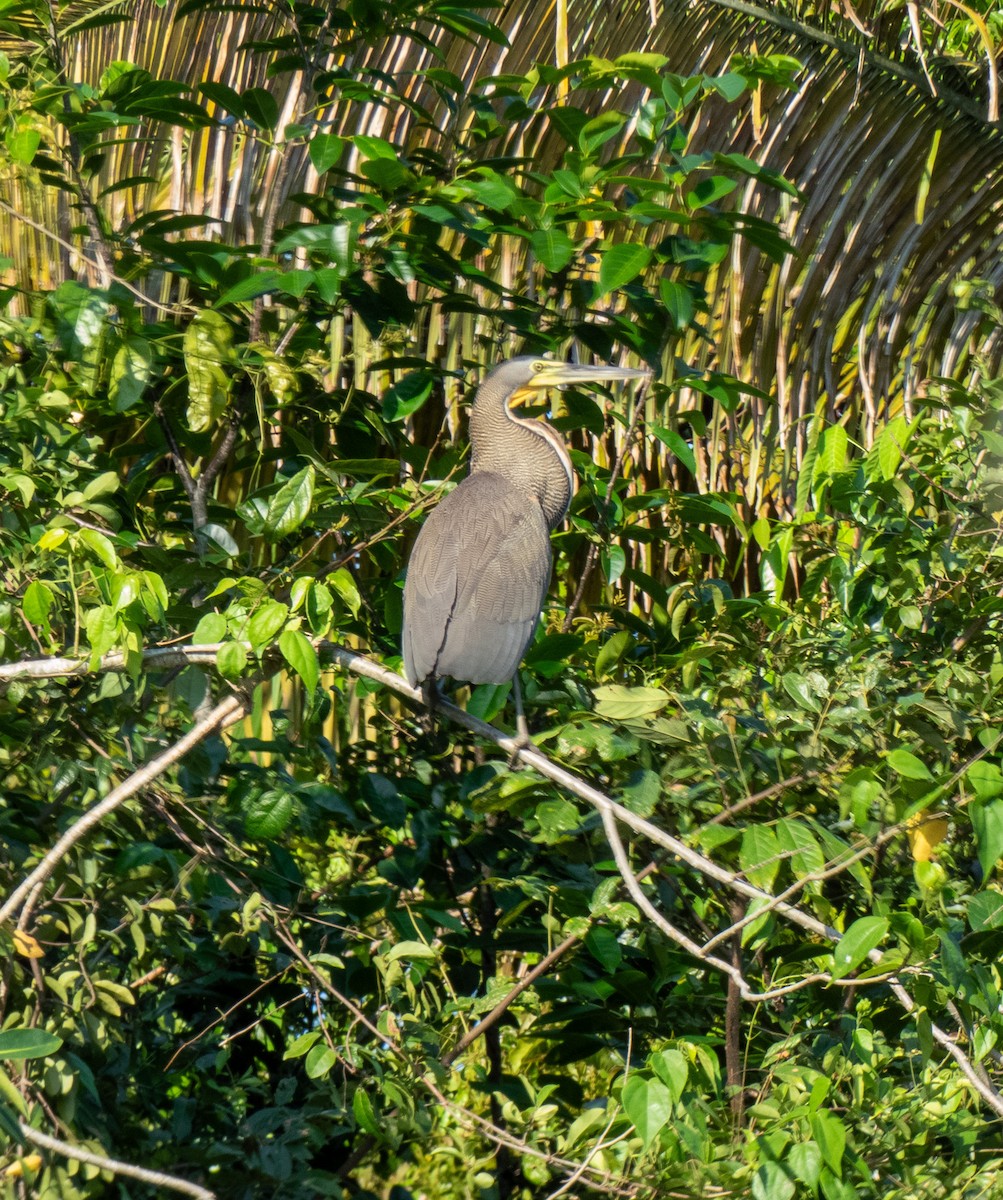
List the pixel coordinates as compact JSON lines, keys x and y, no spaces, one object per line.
{"x":260,"y":932}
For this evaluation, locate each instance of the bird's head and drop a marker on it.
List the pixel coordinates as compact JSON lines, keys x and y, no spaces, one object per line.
{"x":522,"y":378}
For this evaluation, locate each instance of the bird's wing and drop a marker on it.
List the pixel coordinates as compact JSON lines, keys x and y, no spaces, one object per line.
{"x":475,"y":584}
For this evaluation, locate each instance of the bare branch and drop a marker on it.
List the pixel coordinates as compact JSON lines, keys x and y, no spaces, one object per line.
{"x":225,"y":713}
{"x":156,"y":1178}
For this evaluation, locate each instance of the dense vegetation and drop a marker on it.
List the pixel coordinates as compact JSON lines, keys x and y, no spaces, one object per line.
{"x":734,"y":928}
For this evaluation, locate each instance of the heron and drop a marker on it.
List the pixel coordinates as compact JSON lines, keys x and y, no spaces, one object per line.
{"x":480,"y":567}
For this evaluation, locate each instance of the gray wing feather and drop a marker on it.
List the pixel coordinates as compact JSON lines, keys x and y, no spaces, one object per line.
{"x":476,"y":582}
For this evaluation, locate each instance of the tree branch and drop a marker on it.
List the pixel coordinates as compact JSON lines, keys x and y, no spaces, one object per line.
{"x":225,"y":713}
{"x":157,"y":1178}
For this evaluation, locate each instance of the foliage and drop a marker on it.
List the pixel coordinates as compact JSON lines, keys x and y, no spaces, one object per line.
{"x":264,"y":969}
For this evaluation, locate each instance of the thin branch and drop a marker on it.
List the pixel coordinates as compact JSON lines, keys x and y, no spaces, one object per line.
{"x":156,"y":1178}
{"x":614,"y":475}
{"x":225,"y":713}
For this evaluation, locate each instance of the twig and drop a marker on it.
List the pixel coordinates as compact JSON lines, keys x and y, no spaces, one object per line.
{"x":157,"y":1178}
{"x":225,"y":713}
{"x":614,"y":475}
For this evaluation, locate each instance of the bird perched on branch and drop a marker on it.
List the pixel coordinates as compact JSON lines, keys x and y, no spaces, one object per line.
{"x":480,"y":568}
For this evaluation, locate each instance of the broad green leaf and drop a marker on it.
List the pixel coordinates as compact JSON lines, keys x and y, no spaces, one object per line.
{"x":362,"y":1108}
{"x":299,"y":653}
{"x":552,"y":247}
{"x":101,"y":624}
{"x":678,"y":445}
{"x":903,"y":762}
{"x":131,"y":372}
{"x":648,"y":1104}
{"x":620,"y":264}
{"x":319,"y":1061}
{"x":986,"y":778}
{"x":208,"y":353}
{"x":210,"y":630}
{"x":290,"y":506}
{"x":801,"y":691}
{"x":612,"y":651}
{"x":760,"y":856}
{"x":830,"y":1134}
{"x":642,"y":791}
{"x":614,"y":562}
{"x":677,"y":299}
{"x":258,"y":284}
{"x":672,"y":1068}
{"x":231,"y":661}
{"x":987,"y":821}
{"x":267,"y":814}
{"x":410,"y":949}
{"x":863,"y":936}
{"x":407,"y":395}
{"x":832,"y":451}
{"x":22,"y":144}
{"x":985,"y":910}
{"x":618,"y":703}
{"x":99,"y":545}
{"x":325,"y":151}
{"x":796,"y":840}
{"x":344,"y":584}
{"x":805,"y":1160}
{"x":602,"y":943}
{"x":265,"y":624}
{"x":557,"y":818}
{"x":771,"y":1182}
{"x":17,"y":1045}
{"x":37,"y":604}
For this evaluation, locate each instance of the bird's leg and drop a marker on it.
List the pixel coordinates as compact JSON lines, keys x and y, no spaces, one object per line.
{"x":521,"y":728}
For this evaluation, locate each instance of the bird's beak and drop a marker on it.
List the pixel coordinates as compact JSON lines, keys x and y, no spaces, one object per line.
{"x":552,"y":374}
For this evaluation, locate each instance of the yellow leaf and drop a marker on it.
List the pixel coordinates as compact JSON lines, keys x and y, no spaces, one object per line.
{"x":31,"y":1163}
{"x":26,"y":945}
{"x":925,"y":835}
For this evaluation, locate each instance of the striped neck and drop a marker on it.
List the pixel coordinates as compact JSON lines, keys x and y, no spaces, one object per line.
{"x":528,"y":453}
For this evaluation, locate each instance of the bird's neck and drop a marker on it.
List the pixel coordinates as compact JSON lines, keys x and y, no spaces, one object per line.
{"x":528,"y":453}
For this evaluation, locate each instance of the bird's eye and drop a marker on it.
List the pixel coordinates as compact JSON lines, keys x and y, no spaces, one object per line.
{"x":539,"y":366}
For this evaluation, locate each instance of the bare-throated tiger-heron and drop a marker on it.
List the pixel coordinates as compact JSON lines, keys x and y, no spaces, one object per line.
{"x":481,"y":565}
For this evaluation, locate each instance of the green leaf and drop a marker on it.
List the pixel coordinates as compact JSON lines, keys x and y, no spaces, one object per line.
{"x":320,"y":1060}
{"x":260,"y":107}
{"x":760,"y":856}
{"x":648,"y":1105}
{"x":677,"y":299}
{"x":987,"y":822}
{"x":557,"y":818}
{"x":802,"y":691}
{"x":797,"y":840}
{"x":99,"y":545}
{"x":22,"y":144}
{"x":267,"y":814}
{"x":672,"y":1069}
{"x":985,"y":910}
{"x":863,"y":936}
{"x":131,"y":372}
{"x":325,"y":151}
{"x":602,"y":943}
{"x":832,"y":451}
{"x":678,"y":445}
{"x":37,"y":604}
{"x":208,"y":353}
{"x":344,"y":584}
{"x":290,"y":506}
{"x":407,"y":395}
{"x":265,"y":624}
{"x":729,"y":85}
{"x":618,"y":703}
{"x":210,"y":630}
{"x":299,"y":653}
{"x":771,"y":1182}
{"x":830,"y":1134}
{"x":258,"y":284}
{"x":231,"y":660}
{"x":620,"y":264}
{"x":17,"y":1045}
{"x":805,"y":1160}
{"x":552,"y":247}
{"x":612,"y":651}
{"x":409,"y":950}
{"x":903,"y":762}
{"x":362,"y":1108}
